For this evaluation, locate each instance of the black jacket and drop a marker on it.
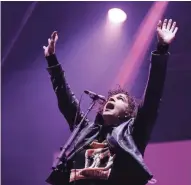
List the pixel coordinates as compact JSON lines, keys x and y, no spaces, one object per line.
{"x":127,"y":140}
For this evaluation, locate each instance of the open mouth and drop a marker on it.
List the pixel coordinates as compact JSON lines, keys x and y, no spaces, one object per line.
{"x":109,"y":106}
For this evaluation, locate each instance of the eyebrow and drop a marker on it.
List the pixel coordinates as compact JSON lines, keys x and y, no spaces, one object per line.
{"x":123,"y":97}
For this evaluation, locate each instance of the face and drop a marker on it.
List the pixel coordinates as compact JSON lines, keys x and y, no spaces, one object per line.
{"x":116,"y":107}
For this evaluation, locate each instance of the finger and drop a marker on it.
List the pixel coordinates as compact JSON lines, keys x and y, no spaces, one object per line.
{"x":159,"y":24}
{"x":175,"y":30}
{"x":169,"y":24}
{"x":54,"y":35}
{"x":164,"y":24}
{"x":44,"y":47}
{"x":49,"y":41}
{"x":173,"y":26}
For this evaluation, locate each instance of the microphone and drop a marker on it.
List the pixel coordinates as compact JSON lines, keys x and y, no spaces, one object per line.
{"x":95,"y":96}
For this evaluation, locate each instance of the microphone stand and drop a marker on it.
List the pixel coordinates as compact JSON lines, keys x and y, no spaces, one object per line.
{"x":62,"y":156}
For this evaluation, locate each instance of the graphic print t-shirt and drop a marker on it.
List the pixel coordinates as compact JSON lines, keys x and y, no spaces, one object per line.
{"x":93,"y":163}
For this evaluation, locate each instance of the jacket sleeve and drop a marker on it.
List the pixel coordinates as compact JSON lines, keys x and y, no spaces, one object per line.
{"x":67,"y":102}
{"x":148,"y":109}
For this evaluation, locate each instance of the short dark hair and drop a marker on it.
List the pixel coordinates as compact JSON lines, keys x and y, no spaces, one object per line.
{"x":133,"y":105}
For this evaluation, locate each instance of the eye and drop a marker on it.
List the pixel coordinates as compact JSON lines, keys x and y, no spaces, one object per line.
{"x":121,"y":98}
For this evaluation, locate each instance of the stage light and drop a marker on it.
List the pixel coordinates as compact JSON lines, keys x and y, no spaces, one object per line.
{"x":117,"y":15}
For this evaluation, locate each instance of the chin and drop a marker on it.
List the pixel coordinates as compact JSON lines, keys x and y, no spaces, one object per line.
{"x":107,"y":113}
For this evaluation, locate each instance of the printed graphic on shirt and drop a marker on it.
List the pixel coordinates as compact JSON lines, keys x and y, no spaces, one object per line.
{"x":98,"y":163}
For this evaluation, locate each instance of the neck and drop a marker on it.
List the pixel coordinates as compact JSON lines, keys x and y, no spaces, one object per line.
{"x":111,"y":121}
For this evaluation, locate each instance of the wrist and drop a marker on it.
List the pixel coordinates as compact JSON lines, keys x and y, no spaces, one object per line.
{"x":162,"y":48}
{"x":47,"y":54}
{"x":51,"y":60}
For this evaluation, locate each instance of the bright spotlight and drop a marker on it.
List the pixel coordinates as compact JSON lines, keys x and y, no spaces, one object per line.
{"x":116,"y":15}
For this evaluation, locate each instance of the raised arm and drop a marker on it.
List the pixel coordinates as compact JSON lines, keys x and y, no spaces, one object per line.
{"x":67,"y":102}
{"x":148,"y":110}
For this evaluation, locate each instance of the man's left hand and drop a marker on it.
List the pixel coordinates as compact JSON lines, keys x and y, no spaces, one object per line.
{"x":166,"y":31}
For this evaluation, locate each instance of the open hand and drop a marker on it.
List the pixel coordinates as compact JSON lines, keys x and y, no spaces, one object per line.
{"x":50,"y":49}
{"x":166,"y":31}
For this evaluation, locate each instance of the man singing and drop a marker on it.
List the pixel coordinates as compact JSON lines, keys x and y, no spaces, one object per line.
{"x":110,"y":150}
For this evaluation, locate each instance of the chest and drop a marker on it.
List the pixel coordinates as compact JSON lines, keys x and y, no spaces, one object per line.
{"x":94,"y":162}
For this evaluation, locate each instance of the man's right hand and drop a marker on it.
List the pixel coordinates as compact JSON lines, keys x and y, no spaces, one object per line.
{"x":50,"y":49}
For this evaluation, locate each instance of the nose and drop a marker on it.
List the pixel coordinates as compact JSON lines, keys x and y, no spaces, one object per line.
{"x":112,"y":99}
